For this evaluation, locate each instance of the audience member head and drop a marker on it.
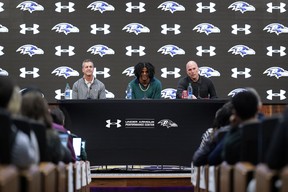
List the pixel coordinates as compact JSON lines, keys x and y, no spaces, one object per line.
{"x":252,"y":90}
{"x":35,"y":107}
{"x":245,"y":105}
{"x":57,"y":116}
{"x":140,"y":66}
{"x":222,"y":116}
{"x":10,"y":98}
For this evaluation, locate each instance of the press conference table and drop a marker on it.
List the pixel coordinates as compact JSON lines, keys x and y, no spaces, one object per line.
{"x":140,"y":132}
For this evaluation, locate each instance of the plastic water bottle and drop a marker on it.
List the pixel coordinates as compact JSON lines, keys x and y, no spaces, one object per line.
{"x":67,"y":93}
{"x":129,"y":92}
{"x":190,"y":91}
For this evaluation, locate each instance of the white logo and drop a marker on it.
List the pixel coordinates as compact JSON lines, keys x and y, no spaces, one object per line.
{"x":210,"y":51}
{"x":246,"y":73}
{"x":171,"y":50}
{"x":174,"y":29}
{"x":201,"y":7}
{"x":245,"y":29}
{"x":3,"y":72}
{"x":136,"y":28}
{"x":59,"y":7}
{"x":281,"y":51}
{"x":272,"y":7}
{"x":281,"y":95}
{"x":34,"y":73}
{"x":140,"y":51}
{"x":167,"y":123}
{"x":140,"y":7}
{"x":101,"y":50}
{"x":129,"y":71}
{"x":3,"y":29}
{"x":1,"y":6}
{"x":109,"y":123}
{"x":59,"y":50}
{"x":34,"y":29}
{"x":59,"y":94}
{"x":105,"y":72}
{"x":1,"y":50}
{"x":105,"y":29}
{"x":165,"y":72}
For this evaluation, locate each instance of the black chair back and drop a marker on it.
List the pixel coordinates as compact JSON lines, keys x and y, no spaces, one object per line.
{"x":6,"y":140}
{"x":40,"y":132}
{"x":22,"y":124}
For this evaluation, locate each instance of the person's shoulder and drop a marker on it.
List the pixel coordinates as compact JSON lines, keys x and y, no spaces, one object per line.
{"x":156,"y":80}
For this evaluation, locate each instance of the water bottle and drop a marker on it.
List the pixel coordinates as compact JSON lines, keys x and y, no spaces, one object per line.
{"x":190,"y":91}
{"x":67,"y":92}
{"x":129,"y":92}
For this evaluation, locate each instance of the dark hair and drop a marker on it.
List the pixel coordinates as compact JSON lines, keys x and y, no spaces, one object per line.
{"x":57,"y":115}
{"x":222,"y":117}
{"x":6,"y":90}
{"x":138,"y":69}
{"x":245,"y":104}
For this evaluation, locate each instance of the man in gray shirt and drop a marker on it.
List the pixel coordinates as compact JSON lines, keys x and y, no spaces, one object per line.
{"x":88,"y":87}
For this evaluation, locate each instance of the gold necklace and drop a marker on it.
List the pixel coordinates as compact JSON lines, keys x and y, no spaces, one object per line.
{"x":144,"y":90}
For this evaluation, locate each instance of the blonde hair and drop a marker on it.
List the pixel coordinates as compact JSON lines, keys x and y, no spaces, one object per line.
{"x":14,"y":104}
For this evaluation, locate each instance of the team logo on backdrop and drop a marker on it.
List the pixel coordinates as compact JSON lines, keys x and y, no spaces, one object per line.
{"x":210,"y":7}
{"x":245,"y":29}
{"x":175,"y":73}
{"x":171,"y":50}
{"x":241,"y":6}
{"x":242,"y":50}
{"x":210,"y":51}
{"x":24,"y":72}
{"x":69,"y":50}
{"x":276,"y":28}
{"x":30,"y":50}
{"x":208,"y":72}
{"x":129,"y":71}
{"x":272,"y":51}
{"x":236,"y":72}
{"x":168,"y":93}
{"x":59,"y":94}
{"x":1,"y":7}
{"x":109,"y":95}
{"x":171,"y":6}
{"x":272,"y":94}
{"x":3,"y":29}
{"x":206,"y":28}
{"x":69,"y":7}
{"x":116,"y":123}
{"x":175,"y":29}
{"x":105,"y":72}
{"x":65,"y":72}
{"x":65,"y":28}
{"x":136,"y":28}
{"x":167,"y":123}
{"x":3,"y":72}
{"x":139,"y":7}
{"x":33,"y":29}
{"x":101,"y":50}
{"x":235,"y":91}
{"x":105,"y":29}
{"x":101,"y":6}
{"x":139,"y":51}
{"x":30,"y":6}
{"x":1,"y":50}
{"x":280,"y":7}
{"x":276,"y":72}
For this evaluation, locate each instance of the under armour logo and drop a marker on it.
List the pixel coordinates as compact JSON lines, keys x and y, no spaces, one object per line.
{"x":210,"y":51}
{"x":34,"y":29}
{"x":281,"y":51}
{"x":1,"y":50}
{"x":1,"y":6}
{"x":245,"y":29}
{"x":165,"y":72}
{"x":201,"y":7}
{"x":59,"y":94}
{"x":272,"y":7}
{"x":140,"y":7}
{"x":59,"y":50}
{"x":174,"y":29}
{"x":105,"y":72}
{"x":59,"y":7}
{"x":24,"y":72}
{"x":281,"y":95}
{"x":140,"y":51}
{"x":246,"y":73}
{"x":105,"y":29}
{"x":109,"y":123}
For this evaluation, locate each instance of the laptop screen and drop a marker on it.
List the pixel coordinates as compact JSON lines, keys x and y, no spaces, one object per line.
{"x":77,"y":145}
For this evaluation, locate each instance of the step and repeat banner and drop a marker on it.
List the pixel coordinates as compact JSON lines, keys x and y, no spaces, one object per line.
{"x":237,"y":44}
